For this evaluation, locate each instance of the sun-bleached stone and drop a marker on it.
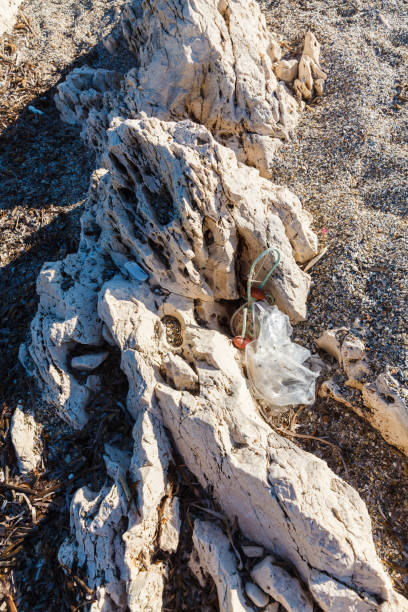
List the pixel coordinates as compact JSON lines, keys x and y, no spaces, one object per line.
{"x":383,"y":402}
{"x":256,"y":595}
{"x":115,"y":528}
{"x":216,"y":559}
{"x":8,"y":13}
{"x":170,"y":524}
{"x":286,"y":70}
{"x":253,"y":551}
{"x":220,"y":62}
{"x":220,"y":70}
{"x":387,"y":401}
{"x":310,"y":76}
{"x":25,"y":435}
{"x":282,"y":587}
{"x":89,"y":361}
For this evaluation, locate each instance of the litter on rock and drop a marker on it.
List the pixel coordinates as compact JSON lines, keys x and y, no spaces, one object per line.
{"x":275,"y":365}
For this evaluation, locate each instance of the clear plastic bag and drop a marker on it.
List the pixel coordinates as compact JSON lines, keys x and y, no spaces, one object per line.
{"x":275,"y":364}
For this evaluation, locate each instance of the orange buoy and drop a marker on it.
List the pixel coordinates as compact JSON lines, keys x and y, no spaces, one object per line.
{"x":240,"y":343}
{"x":257,"y":294}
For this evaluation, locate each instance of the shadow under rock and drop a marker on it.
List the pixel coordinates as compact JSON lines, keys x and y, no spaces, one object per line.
{"x":43,"y":160}
{"x":44,"y":167}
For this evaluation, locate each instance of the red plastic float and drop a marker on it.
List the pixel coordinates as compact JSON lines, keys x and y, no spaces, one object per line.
{"x":257,"y":294}
{"x":240,"y":343}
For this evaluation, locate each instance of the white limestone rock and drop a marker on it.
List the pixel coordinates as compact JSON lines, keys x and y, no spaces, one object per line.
{"x":206,"y":207}
{"x":89,"y":361}
{"x":282,"y":587}
{"x":286,"y":70}
{"x":253,"y":551}
{"x":334,"y":389}
{"x":196,"y":568}
{"x":170,"y":525}
{"x":272,"y":607}
{"x":287,"y":501}
{"x":8,"y":13}
{"x":220,"y":62}
{"x":180,"y":372}
{"x":218,"y":58}
{"x":388,"y":409}
{"x":310,"y":76}
{"x":333,"y":596}
{"x":383,"y":402}
{"x":330,"y":341}
{"x":117,"y":558}
{"x":256,"y":595}
{"x":26,"y":438}
{"x":349,"y":351}
{"x":216,"y":558}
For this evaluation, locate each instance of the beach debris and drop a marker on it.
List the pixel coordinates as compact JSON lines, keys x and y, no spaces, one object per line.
{"x":34,"y":110}
{"x":276,"y":365}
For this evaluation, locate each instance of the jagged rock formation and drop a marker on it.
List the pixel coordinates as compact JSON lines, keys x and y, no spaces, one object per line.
{"x":218,"y":58}
{"x":310,"y":76}
{"x":177,"y":202}
{"x":171,"y":227}
{"x":383,"y":402}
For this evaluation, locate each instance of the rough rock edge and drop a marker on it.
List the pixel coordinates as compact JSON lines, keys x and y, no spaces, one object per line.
{"x":213,"y":77}
{"x":217,"y":559}
{"x":383,"y":402}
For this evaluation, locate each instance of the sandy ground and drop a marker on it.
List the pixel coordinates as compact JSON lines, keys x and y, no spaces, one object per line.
{"x":348,"y":164}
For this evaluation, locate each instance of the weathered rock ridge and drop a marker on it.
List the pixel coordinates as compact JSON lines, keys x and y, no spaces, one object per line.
{"x":171,"y":226}
{"x":382,"y":401}
{"x":219,"y":62}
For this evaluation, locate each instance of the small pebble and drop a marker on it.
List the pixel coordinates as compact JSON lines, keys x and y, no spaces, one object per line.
{"x":256,"y":595}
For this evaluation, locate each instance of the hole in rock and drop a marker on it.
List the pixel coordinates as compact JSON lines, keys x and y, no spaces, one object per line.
{"x":208,"y":237}
{"x":173,"y":330}
{"x":118,"y":165}
{"x":161,"y":204}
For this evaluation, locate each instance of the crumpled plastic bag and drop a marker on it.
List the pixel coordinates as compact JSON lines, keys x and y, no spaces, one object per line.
{"x":275,"y":364}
